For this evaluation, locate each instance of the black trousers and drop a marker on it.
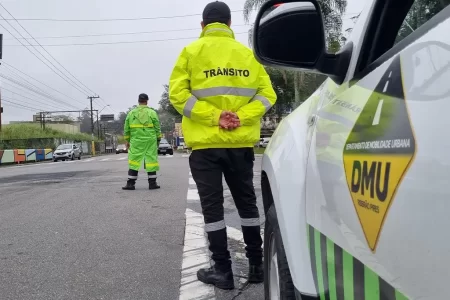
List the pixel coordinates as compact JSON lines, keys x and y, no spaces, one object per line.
{"x":207,"y":167}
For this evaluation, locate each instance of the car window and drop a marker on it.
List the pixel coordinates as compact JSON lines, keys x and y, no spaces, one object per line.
{"x":63,"y":147}
{"x":420,"y":12}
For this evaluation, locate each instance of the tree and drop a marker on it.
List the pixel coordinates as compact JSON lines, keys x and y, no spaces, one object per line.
{"x":300,"y":85}
{"x":420,"y":12}
{"x":165,"y":104}
{"x":85,"y":120}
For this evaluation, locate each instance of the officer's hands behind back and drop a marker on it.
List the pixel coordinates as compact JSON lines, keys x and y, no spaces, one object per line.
{"x":229,"y":120}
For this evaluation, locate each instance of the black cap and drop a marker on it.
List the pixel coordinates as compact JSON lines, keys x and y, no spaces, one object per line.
{"x":143,"y":97}
{"x":216,"y":12}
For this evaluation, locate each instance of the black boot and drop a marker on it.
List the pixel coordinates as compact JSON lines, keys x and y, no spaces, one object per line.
{"x":220,"y":279}
{"x":130,"y":185}
{"x":152,"y":185}
{"x":256,"y":273}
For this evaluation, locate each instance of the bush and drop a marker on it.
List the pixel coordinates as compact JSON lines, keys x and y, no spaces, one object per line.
{"x":24,"y":136}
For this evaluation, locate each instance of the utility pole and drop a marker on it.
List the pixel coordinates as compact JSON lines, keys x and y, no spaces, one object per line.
{"x":92,"y":123}
{"x":92,"y":113}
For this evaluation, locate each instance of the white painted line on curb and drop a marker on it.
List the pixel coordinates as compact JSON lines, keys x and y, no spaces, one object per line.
{"x":193,"y":195}
{"x":191,"y":181}
{"x":195,"y":255}
{"x":235,"y":234}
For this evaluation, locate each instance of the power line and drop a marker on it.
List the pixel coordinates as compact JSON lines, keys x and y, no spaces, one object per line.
{"x":24,"y":91}
{"x":80,"y":90}
{"x":29,"y":76}
{"x":35,"y":102}
{"x":88,"y":89}
{"x":21,"y":81}
{"x":20,"y":105}
{"x":114,"y":43}
{"x":115,"y":19}
{"x":37,"y":92}
{"x":124,"y":33}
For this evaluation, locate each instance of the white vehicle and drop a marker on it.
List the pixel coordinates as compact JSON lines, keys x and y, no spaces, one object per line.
{"x":355,"y":180}
{"x":67,"y":151}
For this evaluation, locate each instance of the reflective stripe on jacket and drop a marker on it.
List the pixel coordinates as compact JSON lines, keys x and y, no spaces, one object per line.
{"x":142,"y":124}
{"x":217,"y":73}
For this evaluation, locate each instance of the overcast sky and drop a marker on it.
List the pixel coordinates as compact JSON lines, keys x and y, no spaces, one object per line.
{"x":117,"y":72}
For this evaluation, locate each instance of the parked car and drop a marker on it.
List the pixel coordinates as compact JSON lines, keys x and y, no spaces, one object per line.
{"x":352,"y":179}
{"x":67,"y":151}
{"x":165,"y":148}
{"x":122,"y":148}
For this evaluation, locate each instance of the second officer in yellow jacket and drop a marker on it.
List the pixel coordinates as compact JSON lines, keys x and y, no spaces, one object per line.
{"x":222,"y":93}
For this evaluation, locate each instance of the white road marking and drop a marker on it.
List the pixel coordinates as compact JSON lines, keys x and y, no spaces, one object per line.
{"x":191,"y":181}
{"x":234,"y":234}
{"x":376,"y":118}
{"x":88,"y":160}
{"x":105,"y":159}
{"x":193,"y":195}
{"x":123,"y":158}
{"x":195,"y":256}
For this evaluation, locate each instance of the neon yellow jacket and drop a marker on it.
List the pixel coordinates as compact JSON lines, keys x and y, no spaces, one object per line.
{"x":142,"y":124}
{"x":217,"y":73}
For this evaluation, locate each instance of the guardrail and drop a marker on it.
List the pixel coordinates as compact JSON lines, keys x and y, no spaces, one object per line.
{"x":24,"y":155}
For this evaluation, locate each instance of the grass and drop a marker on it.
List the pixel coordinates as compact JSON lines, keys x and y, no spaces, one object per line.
{"x":32,"y":131}
{"x":32,"y":136}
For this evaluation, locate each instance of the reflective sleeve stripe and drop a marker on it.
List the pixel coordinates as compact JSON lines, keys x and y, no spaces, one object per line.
{"x":134,"y":163}
{"x":149,"y":165}
{"x":187,"y":110}
{"x":141,"y":125}
{"x":126,"y":136}
{"x":215,"y":226}
{"x":336,"y":118}
{"x":132,"y":177}
{"x":263,"y":100}
{"x":224,"y":90}
{"x":250,"y":222}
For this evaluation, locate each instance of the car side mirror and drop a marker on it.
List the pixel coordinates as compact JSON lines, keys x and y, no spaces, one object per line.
{"x":290,"y":34}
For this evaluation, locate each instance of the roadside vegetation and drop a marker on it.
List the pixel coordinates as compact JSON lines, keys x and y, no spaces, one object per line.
{"x":33,"y":136}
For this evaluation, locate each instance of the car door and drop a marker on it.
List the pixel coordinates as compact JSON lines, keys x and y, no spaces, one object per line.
{"x":76,"y":150}
{"x":378,"y":166}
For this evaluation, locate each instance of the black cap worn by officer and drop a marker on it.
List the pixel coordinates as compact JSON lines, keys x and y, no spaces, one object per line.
{"x":143,"y":98}
{"x":216,"y":12}
{"x":221,"y":274}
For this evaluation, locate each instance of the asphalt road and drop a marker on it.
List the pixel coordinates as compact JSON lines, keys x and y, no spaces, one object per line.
{"x":68,"y":231}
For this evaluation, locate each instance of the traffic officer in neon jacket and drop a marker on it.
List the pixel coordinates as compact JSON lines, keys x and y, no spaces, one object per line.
{"x":222,"y":93}
{"x":142,"y":133}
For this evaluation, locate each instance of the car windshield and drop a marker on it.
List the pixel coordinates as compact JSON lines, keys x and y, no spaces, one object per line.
{"x":64,"y":147}
{"x":164,"y":141}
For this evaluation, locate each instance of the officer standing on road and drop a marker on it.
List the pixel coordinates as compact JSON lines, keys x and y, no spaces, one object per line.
{"x":142,"y":133}
{"x":222,"y":93}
